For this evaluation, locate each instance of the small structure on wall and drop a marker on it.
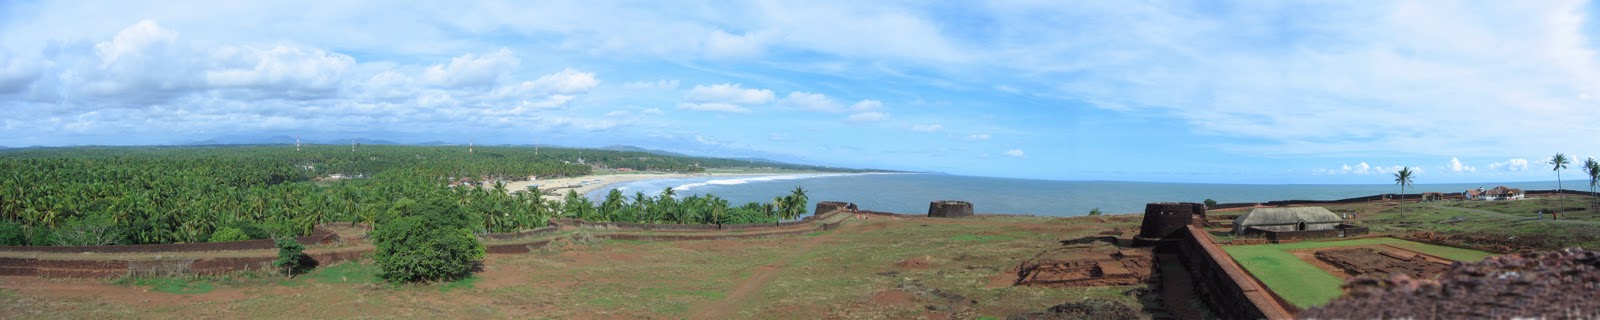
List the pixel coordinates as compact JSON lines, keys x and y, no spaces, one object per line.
{"x":1286,"y":219}
{"x":830,"y":206}
{"x":1432,"y":196}
{"x":949,"y":209}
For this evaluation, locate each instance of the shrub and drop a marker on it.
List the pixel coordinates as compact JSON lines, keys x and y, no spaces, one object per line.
{"x":290,"y":254}
{"x":1210,"y":202}
{"x":433,"y":243}
{"x":12,"y":234}
{"x":229,"y":234}
{"x":1094,"y":212}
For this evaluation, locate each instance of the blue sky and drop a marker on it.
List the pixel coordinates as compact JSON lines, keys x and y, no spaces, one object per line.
{"x":1251,"y":92}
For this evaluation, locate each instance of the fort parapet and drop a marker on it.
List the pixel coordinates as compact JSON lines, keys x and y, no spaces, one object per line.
{"x":1162,"y":219}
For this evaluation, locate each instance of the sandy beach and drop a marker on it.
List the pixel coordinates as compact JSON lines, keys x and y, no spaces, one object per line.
{"x":609,"y":180}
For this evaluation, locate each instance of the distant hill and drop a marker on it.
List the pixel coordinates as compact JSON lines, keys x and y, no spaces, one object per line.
{"x":624,"y":148}
{"x":280,"y":139}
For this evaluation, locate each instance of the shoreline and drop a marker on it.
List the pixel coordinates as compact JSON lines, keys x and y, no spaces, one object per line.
{"x":609,"y":180}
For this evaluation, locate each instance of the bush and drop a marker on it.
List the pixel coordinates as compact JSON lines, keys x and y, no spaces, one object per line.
{"x":1210,"y":203}
{"x":228,"y":234}
{"x":434,"y":242}
{"x":12,"y":234}
{"x":1094,"y":212}
{"x":290,"y":255}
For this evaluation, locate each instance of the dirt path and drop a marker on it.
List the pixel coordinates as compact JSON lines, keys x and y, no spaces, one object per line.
{"x":1520,"y":218}
{"x":762,"y":275}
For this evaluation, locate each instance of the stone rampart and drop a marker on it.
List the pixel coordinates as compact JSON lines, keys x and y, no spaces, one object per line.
{"x":1226,"y":288}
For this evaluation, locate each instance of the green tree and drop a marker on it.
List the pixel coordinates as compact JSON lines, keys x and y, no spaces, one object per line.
{"x":1558,"y":162}
{"x":226,"y":234}
{"x":1210,"y":203}
{"x":12,"y":234}
{"x":1403,"y":178}
{"x":1094,"y":212}
{"x":1592,"y":167}
{"x":290,"y":254}
{"x":435,"y":243}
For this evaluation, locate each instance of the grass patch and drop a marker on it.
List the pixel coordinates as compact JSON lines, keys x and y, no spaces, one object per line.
{"x":981,"y":238}
{"x":1305,"y":285}
{"x":349,"y":272}
{"x":705,"y":294}
{"x":175,"y":285}
{"x":464,"y":283}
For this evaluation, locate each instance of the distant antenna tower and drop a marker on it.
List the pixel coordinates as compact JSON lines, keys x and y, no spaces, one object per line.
{"x":297,"y":143}
{"x":469,"y":149}
{"x":352,"y":145}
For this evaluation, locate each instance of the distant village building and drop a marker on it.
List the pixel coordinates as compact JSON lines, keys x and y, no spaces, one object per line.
{"x":1473,"y":194}
{"x":1432,"y":196}
{"x":1286,"y":219}
{"x":1503,"y":193}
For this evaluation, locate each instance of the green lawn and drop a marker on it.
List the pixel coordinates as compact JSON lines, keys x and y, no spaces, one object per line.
{"x":1305,"y":285}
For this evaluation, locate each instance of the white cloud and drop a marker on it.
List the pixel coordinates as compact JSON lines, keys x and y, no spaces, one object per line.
{"x":721,"y":44}
{"x":728,"y":93}
{"x":134,"y":42}
{"x":866,"y":105}
{"x":656,"y":111}
{"x":1514,"y":164}
{"x":16,"y":73}
{"x":1014,"y":153}
{"x":279,"y":67}
{"x":811,"y":102}
{"x":1456,"y":166}
{"x":471,"y":70}
{"x":1363,"y":168}
{"x":977,"y":137}
{"x":867,"y":117}
{"x":927,"y":127}
{"x":618,"y":113}
{"x":718,"y":107}
{"x":651,"y":85}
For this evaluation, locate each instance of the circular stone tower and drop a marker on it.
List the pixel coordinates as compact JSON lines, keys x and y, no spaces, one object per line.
{"x":949,"y":209}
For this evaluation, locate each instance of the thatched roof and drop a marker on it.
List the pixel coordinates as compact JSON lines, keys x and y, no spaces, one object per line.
{"x":1280,"y":216}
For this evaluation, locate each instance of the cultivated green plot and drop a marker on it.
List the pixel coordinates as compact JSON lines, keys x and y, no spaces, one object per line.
{"x":1305,"y":285}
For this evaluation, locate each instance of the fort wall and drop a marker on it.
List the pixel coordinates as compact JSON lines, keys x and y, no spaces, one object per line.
{"x":1224,"y":286}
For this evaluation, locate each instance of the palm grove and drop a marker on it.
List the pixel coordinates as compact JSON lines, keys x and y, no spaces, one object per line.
{"x":157,"y":195}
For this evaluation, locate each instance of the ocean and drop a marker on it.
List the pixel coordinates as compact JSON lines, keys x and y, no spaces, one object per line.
{"x":910,"y":193}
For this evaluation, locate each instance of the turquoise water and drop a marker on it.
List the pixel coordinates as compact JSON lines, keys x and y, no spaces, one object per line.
{"x":910,"y":193}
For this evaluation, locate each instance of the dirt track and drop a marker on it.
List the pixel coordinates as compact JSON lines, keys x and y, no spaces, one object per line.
{"x":763,"y":274}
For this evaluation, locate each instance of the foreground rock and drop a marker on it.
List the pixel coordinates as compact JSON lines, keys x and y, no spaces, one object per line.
{"x":1551,"y":285}
{"x":1095,"y":309}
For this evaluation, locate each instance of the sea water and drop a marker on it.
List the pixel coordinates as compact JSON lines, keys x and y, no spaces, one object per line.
{"x":910,"y":193}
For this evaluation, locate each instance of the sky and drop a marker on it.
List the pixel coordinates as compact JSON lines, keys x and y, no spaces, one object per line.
{"x":1278,"y":92}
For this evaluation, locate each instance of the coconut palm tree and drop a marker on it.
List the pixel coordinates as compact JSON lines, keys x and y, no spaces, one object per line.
{"x":1592,"y":167}
{"x":1403,"y":178}
{"x":1557,"y":163}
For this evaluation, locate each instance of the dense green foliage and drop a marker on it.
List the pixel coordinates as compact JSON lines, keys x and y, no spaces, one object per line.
{"x":290,"y":255}
{"x":694,"y":209}
{"x":226,"y":234}
{"x":433,"y":241}
{"x":147,"y":195}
